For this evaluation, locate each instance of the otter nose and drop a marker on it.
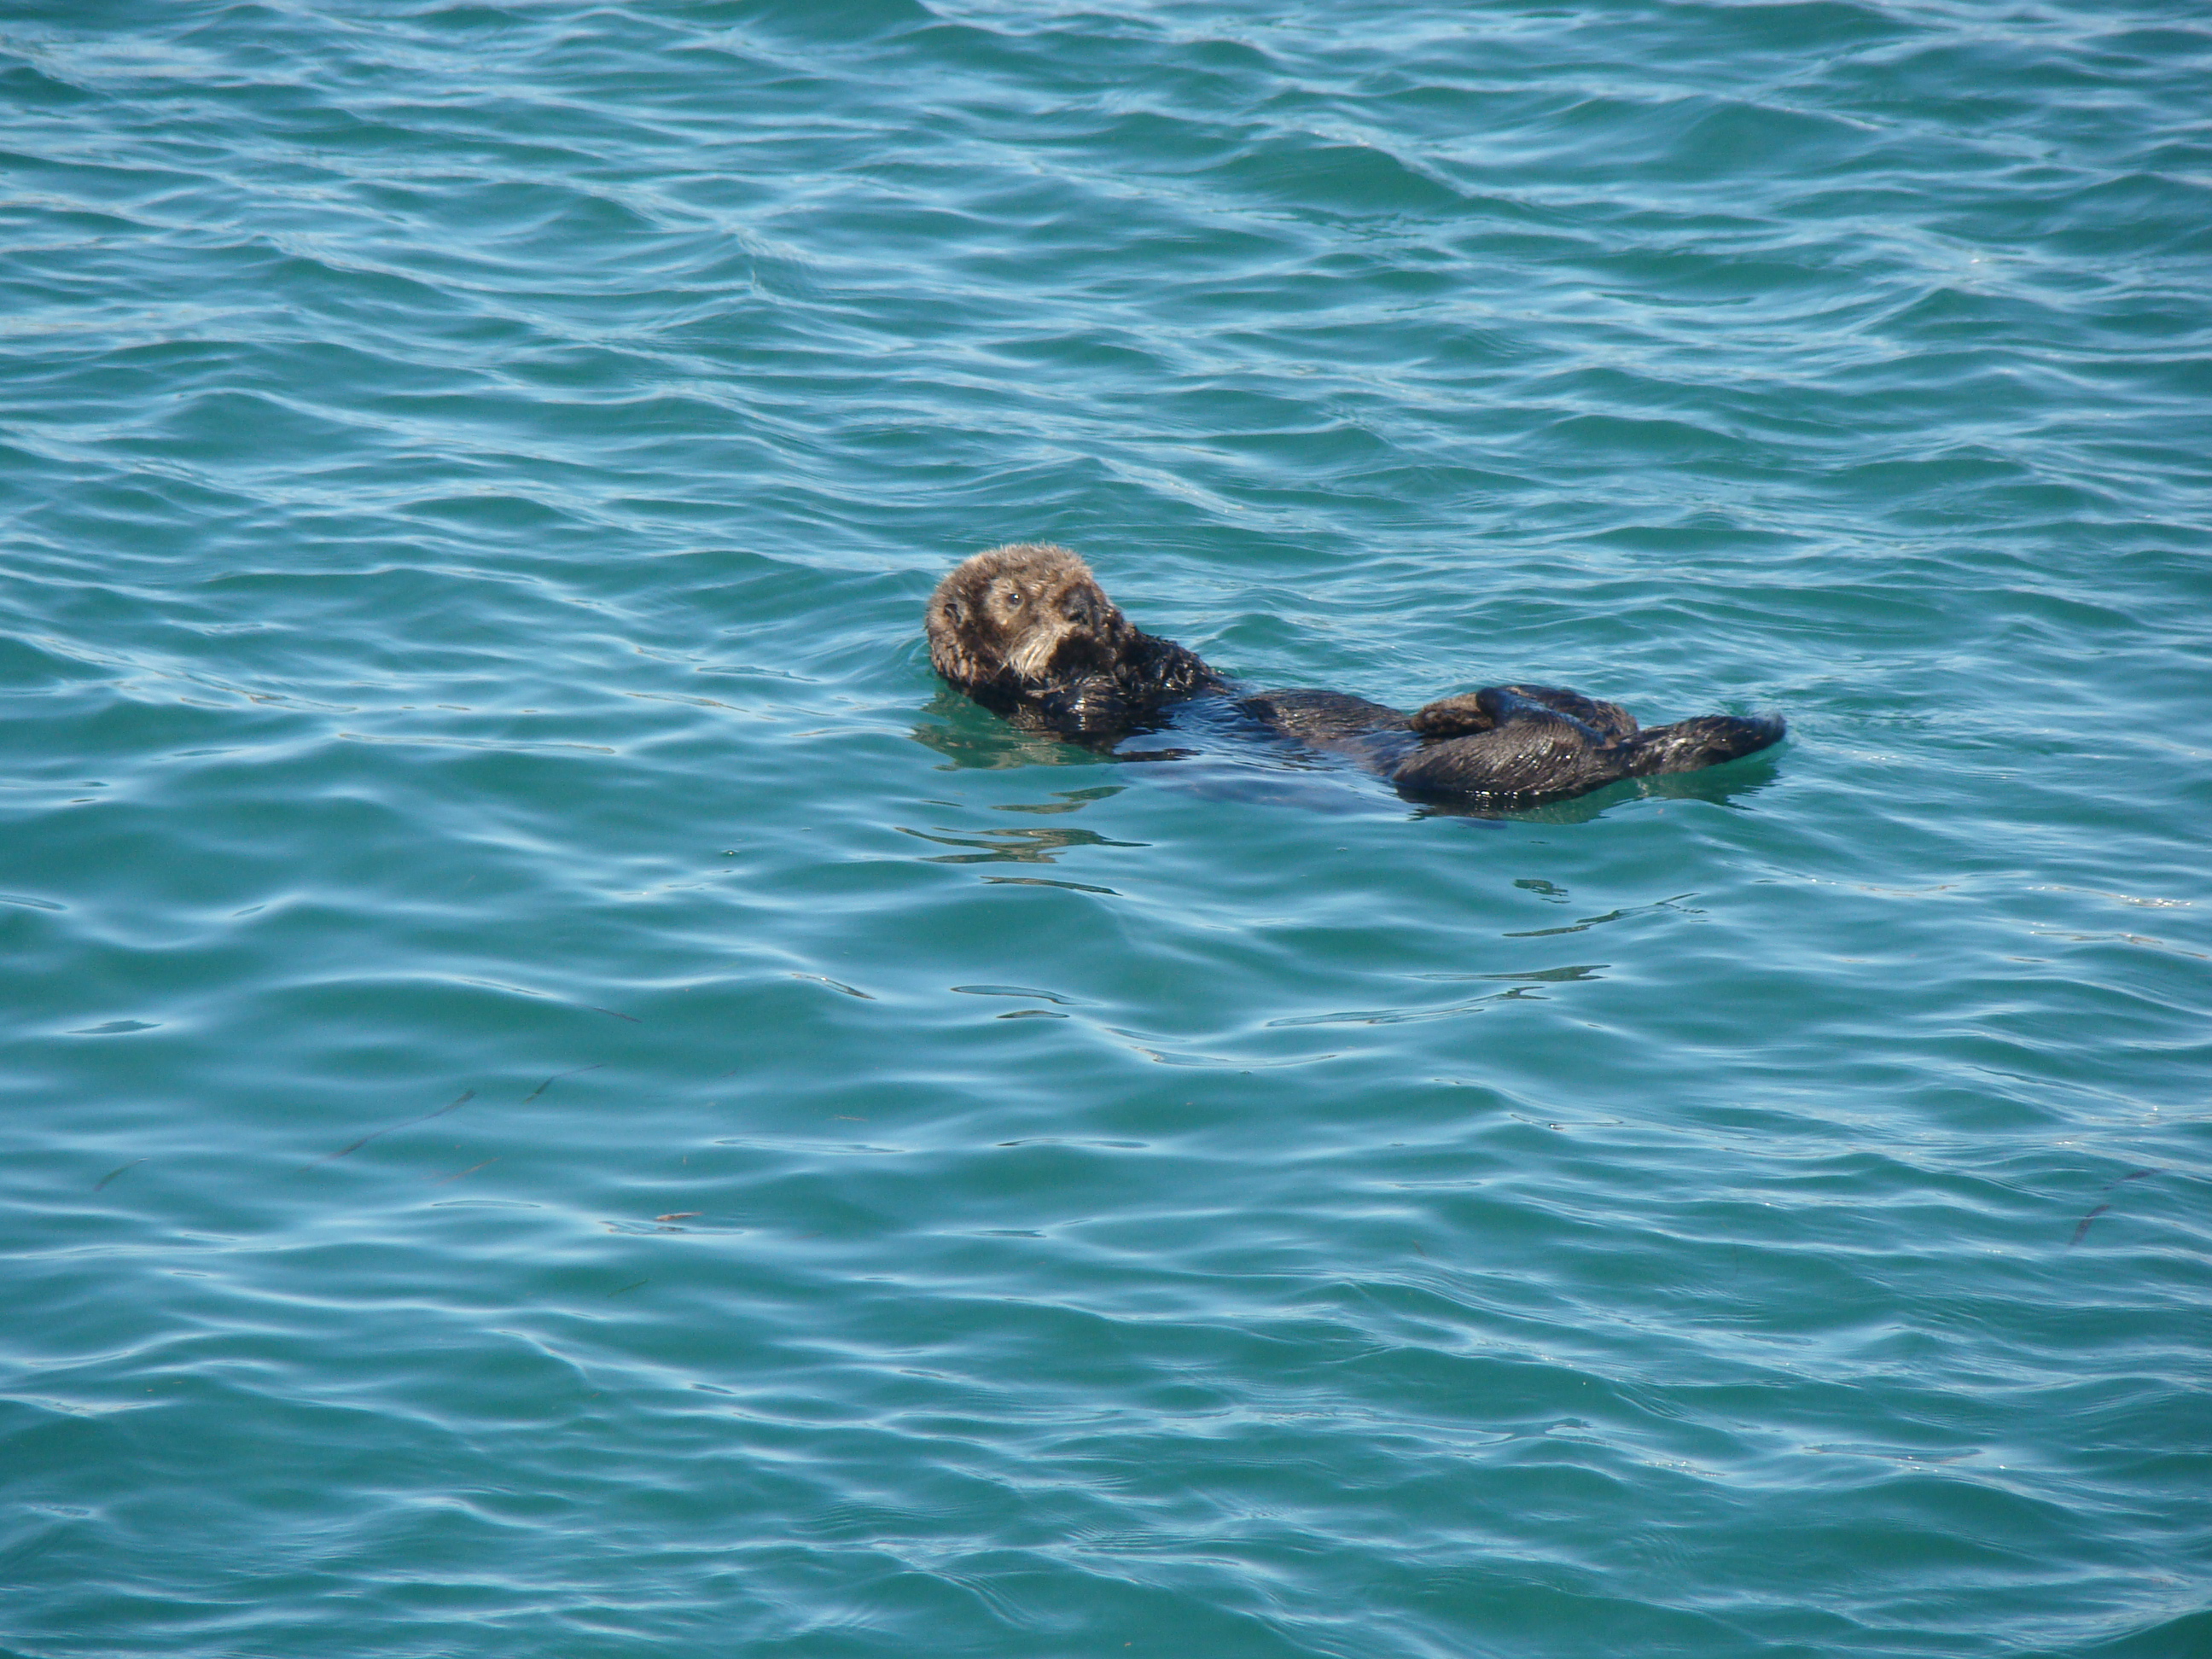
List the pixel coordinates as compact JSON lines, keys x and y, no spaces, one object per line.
{"x":1083,"y":609}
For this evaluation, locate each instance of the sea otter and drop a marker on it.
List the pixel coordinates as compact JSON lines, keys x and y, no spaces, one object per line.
{"x":1026,"y":630}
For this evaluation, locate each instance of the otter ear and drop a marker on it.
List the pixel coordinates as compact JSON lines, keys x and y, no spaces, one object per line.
{"x":955,"y":610}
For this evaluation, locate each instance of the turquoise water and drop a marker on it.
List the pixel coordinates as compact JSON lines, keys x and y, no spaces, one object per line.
{"x":562,"y":1097}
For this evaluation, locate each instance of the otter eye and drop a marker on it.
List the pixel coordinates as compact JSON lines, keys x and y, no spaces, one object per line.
{"x":1014,"y":600}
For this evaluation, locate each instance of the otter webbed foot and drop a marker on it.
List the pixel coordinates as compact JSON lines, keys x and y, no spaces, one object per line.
{"x":1607,"y":719}
{"x":1704,"y":740}
{"x":1456,"y":717}
{"x":1529,"y":748}
{"x":1543,"y":740}
{"x":1492,"y":705}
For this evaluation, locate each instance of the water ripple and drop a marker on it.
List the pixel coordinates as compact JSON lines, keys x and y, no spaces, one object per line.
{"x":539,"y":1115}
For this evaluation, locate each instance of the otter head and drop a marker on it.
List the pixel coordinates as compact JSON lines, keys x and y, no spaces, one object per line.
{"x":1028,"y":615}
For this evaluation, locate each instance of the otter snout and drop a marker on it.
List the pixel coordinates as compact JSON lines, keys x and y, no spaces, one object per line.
{"x":1076,"y":631}
{"x":1034,"y":653}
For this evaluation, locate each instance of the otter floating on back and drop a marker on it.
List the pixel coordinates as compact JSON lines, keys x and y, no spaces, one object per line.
{"x":1026,"y":630}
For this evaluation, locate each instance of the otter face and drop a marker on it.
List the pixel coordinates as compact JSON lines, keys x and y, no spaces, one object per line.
{"x":1031,"y":612}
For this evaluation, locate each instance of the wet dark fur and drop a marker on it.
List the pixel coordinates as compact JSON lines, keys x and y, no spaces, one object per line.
{"x":1026,"y":630}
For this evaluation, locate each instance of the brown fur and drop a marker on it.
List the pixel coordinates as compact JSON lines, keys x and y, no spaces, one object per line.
{"x":1026,"y":629}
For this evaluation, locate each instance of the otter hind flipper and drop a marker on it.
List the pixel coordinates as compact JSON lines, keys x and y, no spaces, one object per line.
{"x":1608,"y":719}
{"x":1480,"y":711}
{"x":1458,"y":717}
{"x":1536,"y":746}
{"x":1704,"y":740}
{"x":1543,"y":753}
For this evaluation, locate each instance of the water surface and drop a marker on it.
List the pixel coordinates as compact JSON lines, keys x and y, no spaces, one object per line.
{"x":564,"y":1097}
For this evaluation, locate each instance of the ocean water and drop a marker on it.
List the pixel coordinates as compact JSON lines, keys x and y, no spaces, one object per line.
{"x":562,"y":1097}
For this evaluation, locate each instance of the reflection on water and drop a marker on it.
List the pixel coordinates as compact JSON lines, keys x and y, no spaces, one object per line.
{"x":1070,"y":800}
{"x":1588,"y":922}
{"x":969,"y":735}
{"x":1243,"y":762}
{"x":1011,"y":846}
{"x":1042,"y":881}
{"x":1534,"y":976}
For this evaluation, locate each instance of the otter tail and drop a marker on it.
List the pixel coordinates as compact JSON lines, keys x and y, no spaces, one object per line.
{"x":1707,"y":740}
